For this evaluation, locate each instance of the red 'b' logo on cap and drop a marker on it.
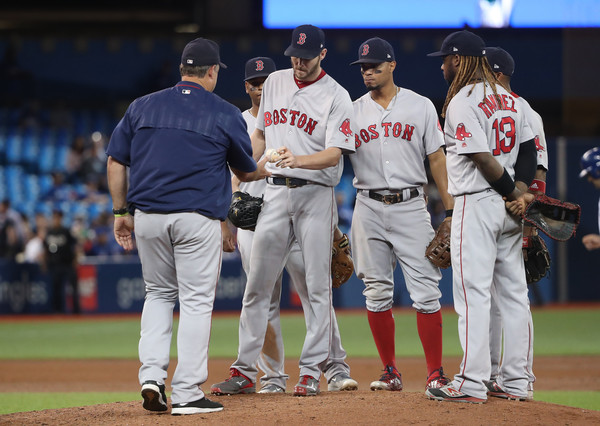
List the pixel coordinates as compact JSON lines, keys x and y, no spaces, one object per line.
{"x":302,"y":38}
{"x":365,"y":50}
{"x":260,"y":66}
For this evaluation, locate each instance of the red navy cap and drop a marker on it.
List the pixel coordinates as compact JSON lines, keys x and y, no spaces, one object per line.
{"x":201,"y":51}
{"x":307,"y":42}
{"x":463,"y":43}
{"x":500,"y":60}
{"x":260,"y":66}
{"x":375,"y":51}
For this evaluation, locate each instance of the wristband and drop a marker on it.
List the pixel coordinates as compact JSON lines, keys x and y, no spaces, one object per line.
{"x":449,"y":212}
{"x":121,"y":212}
{"x":505,"y":185}
{"x":538,"y":186}
{"x":121,"y":215}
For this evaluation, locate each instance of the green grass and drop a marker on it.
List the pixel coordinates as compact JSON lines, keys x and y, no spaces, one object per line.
{"x":557,"y":332}
{"x":34,"y":401}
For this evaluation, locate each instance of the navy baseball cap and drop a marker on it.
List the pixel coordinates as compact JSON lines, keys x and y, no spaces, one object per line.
{"x":590,"y":163}
{"x":260,"y":66}
{"x":463,"y":43}
{"x":307,"y":42}
{"x":201,"y":51}
{"x":375,"y":51}
{"x":500,"y":60}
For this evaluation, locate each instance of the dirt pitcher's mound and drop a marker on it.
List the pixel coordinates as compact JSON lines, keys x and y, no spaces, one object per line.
{"x":410,"y":406}
{"x":355,"y":408}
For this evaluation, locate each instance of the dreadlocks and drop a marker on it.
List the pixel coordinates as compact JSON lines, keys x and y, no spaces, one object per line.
{"x":472,"y":69}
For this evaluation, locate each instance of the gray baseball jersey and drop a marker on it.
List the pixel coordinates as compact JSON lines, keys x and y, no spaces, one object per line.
{"x":486,"y":239}
{"x":391,"y":146}
{"x":306,"y":120}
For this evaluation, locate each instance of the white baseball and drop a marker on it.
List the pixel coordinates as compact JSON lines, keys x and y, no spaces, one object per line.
{"x":272,"y":155}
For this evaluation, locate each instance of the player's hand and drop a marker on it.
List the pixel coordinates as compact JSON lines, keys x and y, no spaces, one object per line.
{"x":123,"y":230}
{"x":286,"y":158}
{"x":260,"y":167}
{"x":517,"y":207}
{"x":229,"y":239}
{"x":591,"y":241}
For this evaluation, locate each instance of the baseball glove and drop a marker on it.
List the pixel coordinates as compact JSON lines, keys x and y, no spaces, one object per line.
{"x":557,"y":219}
{"x":342,"y":266}
{"x":536,"y":257}
{"x":438,"y":250}
{"x":244,"y":210}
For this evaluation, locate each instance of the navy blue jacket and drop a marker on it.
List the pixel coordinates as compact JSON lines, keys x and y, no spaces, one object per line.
{"x":178,"y":143}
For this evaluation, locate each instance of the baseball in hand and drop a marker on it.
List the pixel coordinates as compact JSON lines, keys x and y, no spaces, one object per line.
{"x":272,"y":155}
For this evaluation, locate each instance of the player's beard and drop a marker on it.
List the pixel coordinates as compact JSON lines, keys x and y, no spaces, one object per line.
{"x":373,"y":86}
{"x":310,"y":74}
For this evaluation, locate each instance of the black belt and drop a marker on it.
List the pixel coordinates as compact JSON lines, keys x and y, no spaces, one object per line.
{"x":393,"y":198}
{"x":289,"y":182}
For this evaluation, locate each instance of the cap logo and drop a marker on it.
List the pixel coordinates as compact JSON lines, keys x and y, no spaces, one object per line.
{"x":301,"y":39}
{"x":260,"y":65}
{"x":365,"y":50}
{"x":190,"y":61}
{"x":454,"y":49}
{"x":496,"y":66}
{"x":389,"y":56}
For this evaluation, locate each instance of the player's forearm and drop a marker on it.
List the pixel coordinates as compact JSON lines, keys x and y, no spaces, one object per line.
{"x":495,"y":174}
{"x":257,"y":174}
{"x":437,"y":164}
{"x":320,"y":160}
{"x":235,"y":183}
{"x":116,"y":174}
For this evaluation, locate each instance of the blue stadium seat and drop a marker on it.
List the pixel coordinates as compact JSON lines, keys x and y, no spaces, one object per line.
{"x":14,"y":145}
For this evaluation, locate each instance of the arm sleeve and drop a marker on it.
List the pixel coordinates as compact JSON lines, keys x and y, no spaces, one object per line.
{"x":239,"y":155}
{"x":339,"y":124}
{"x":119,"y":146}
{"x":434,"y":135}
{"x":470,"y":136}
{"x":526,"y":162}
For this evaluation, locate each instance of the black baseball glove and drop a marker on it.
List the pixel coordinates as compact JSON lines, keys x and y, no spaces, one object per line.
{"x":536,"y":257}
{"x":244,"y":210}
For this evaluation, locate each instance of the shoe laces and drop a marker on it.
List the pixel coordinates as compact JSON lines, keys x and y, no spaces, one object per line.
{"x":234,"y":372}
{"x":437,"y":375}
{"x":305,"y":379}
{"x":390,"y":373}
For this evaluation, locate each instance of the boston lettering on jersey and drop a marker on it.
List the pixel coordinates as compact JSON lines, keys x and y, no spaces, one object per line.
{"x":293,"y":117}
{"x":395,"y":130}
{"x":493,"y":103}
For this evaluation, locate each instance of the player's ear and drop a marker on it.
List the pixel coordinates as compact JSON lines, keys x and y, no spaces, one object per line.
{"x":392,"y":66}
{"x":247,"y":86}
{"x":323,"y":54}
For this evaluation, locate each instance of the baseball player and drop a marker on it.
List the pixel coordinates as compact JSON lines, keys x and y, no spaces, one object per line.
{"x":179,"y":144}
{"x":271,"y":360}
{"x":305,"y":115}
{"x":590,"y":165}
{"x":396,"y":129}
{"x":490,"y":146}
{"x":503,"y":66}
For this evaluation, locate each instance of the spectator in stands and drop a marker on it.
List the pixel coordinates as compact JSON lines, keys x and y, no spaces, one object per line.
{"x":8,"y":215}
{"x":60,"y":260}
{"x":10,"y":243}
{"x":74,"y":161}
{"x":60,"y":191}
{"x":34,"y":247}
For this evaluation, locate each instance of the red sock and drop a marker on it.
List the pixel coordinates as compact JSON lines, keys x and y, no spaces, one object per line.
{"x":430,"y":332}
{"x":383,"y":329}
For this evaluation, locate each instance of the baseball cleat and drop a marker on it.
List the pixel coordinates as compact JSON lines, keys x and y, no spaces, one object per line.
{"x":271,"y":388}
{"x":307,"y":386}
{"x":342,"y":382}
{"x":494,"y":389}
{"x":391,"y":380}
{"x":236,"y":384}
{"x":449,"y":393}
{"x":203,"y":405}
{"x":437,"y":379}
{"x":155,"y":398}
